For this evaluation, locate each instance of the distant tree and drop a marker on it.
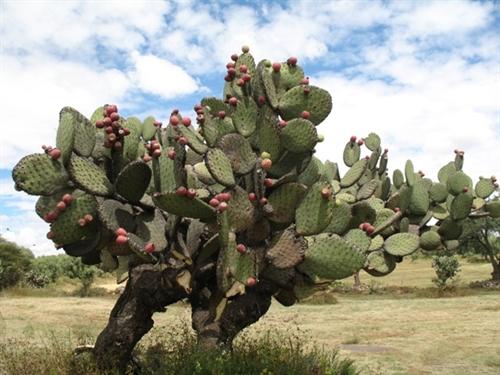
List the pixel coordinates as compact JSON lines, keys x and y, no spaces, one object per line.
{"x":15,"y":261}
{"x":482,"y":236}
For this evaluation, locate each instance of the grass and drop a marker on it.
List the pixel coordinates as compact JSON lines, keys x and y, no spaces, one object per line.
{"x":383,"y":333}
{"x":173,"y":350}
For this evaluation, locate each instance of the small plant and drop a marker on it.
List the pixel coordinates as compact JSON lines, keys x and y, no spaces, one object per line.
{"x":446,"y":267}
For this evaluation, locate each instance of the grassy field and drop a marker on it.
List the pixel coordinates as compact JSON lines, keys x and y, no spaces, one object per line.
{"x":384,"y":334}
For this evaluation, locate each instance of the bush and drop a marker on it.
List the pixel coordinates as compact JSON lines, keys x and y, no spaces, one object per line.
{"x":174,"y":351}
{"x":36,"y":279}
{"x":15,"y":261}
{"x":446,"y":268}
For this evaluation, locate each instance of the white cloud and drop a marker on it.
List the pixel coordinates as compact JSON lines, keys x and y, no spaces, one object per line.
{"x":160,"y":77}
{"x":34,"y":89}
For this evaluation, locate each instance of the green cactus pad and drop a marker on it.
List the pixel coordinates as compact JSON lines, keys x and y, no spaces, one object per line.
{"x":383,"y":216}
{"x":493,"y":208}
{"x":118,"y":250}
{"x":440,"y":212}
{"x":372,"y":142}
{"x":430,"y":240}
{"x":85,"y":134}
{"x":450,"y":229}
{"x":382,"y":167}
{"x":148,"y":128}
{"x":314,"y":212}
{"x":409,"y":173}
{"x":419,"y":199}
{"x":239,"y":152}
{"x":331,"y":257}
{"x":341,"y":218}
{"x":286,"y":249}
{"x":84,"y":246}
{"x":220,"y":167}
{"x":284,"y":201}
{"x":268,"y":132}
{"x":376,"y":243}
{"x":299,"y":135}
{"x":47,"y":203}
{"x":331,"y":171}
{"x":151,"y":227}
{"x":193,"y":139}
{"x":312,"y":173}
{"x":215,"y":105}
{"x":184,"y":206}
{"x":287,"y":163}
{"x":359,"y":238}
{"x":446,"y":171}
{"x":372,"y":162}
{"x":379,"y":263}
{"x":89,"y":177}
{"x":351,"y":154}
{"x":354,"y":173}
{"x":367,"y":190}
{"x":398,"y":178}
{"x":269,"y":80}
{"x":401,"y":244}
{"x":245,"y":116}
{"x":438,"y":192}
{"x":240,"y":211}
{"x":131,"y":141}
{"x":247,"y":59}
{"x":461,"y":206}
{"x":210,"y":128}
{"x":133,"y":181}
{"x":290,"y":76}
{"x":167,"y":173}
{"x":317,"y":102}
{"x":227,"y":263}
{"x":38,"y":174}
{"x":67,"y":229}
{"x":484,"y":188}
{"x":66,"y":133}
{"x":362,"y":212}
{"x":202,"y":173}
{"x":114,"y":215}
{"x":457,"y":182}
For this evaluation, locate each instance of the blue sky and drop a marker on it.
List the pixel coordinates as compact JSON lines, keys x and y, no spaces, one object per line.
{"x":424,"y":75}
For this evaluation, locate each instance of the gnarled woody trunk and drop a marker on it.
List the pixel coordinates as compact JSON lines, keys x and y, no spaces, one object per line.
{"x":149,"y":290}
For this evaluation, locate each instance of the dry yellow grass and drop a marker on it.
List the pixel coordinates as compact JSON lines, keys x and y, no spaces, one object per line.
{"x":384,"y":336}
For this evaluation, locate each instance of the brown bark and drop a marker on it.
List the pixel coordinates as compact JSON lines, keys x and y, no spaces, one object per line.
{"x":148,"y":290}
{"x":240,"y":312}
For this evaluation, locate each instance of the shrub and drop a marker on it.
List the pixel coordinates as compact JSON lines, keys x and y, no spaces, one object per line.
{"x":14,"y":262}
{"x":446,"y":268}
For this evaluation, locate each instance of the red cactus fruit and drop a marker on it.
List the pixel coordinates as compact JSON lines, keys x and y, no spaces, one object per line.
{"x":181,"y":190}
{"x":55,"y":153}
{"x":266,"y":164}
{"x":305,"y":115}
{"x":292,"y":61}
{"x":251,"y":282}
{"x":121,"y":240}
{"x":149,"y":248}
{"x":241,"y":248}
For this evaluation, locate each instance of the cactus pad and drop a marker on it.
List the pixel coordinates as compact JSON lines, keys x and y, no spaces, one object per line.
{"x":240,"y":210}
{"x":351,"y":154}
{"x":67,"y":228}
{"x":401,"y":244}
{"x":457,"y":182}
{"x":372,"y":142}
{"x":114,"y":215}
{"x":299,"y":135}
{"x":66,"y":133}
{"x":354,"y":173}
{"x":287,"y":249}
{"x":245,"y":117}
{"x":38,"y":174}
{"x":461,"y":206}
{"x":314,"y":212}
{"x":493,"y":208}
{"x":151,"y":228}
{"x":88,"y":176}
{"x":359,"y":238}
{"x":398,"y":178}
{"x":284,"y":201}
{"x":430,"y":240}
{"x":438,"y":192}
{"x":409,"y":173}
{"x":220,"y":167}
{"x":148,"y":128}
{"x":484,"y":188}
{"x":193,"y":139}
{"x":379,"y":263}
{"x":184,"y":206}
{"x":331,"y":257}
{"x":317,"y":102}
{"x":239,"y":153}
{"x":133,"y":181}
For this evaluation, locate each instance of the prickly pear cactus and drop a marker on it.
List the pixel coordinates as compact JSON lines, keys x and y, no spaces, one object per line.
{"x":239,"y":189}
